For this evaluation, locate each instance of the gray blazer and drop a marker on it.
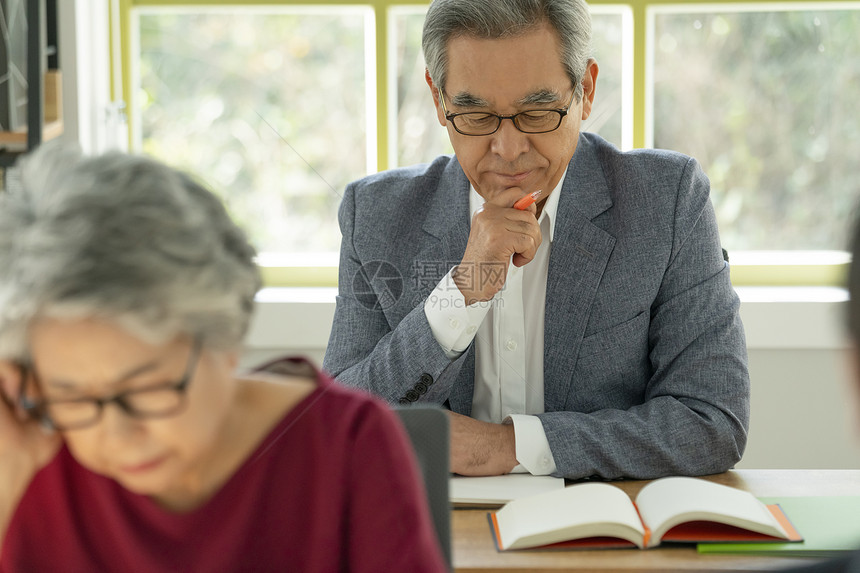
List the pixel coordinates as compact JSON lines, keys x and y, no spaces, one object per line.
{"x":645,"y":365}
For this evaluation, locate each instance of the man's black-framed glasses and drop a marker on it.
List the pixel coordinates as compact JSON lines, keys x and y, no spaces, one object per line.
{"x":160,"y":401}
{"x":528,"y":121}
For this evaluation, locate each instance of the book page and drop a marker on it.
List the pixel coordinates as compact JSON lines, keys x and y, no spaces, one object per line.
{"x":668,"y":502}
{"x":495,"y":491}
{"x":578,"y":511}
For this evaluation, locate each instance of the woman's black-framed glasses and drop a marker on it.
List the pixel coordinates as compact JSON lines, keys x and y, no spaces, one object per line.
{"x":159,"y":401}
{"x":528,"y":121}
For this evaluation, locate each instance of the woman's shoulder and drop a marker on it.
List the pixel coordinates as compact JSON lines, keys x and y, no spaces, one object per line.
{"x":295,"y":411}
{"x":296,"y":383}
{"x":289,"y":366}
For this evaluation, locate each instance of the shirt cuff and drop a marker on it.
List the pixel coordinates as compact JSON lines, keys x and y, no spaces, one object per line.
{"x":452,"y":322}
{"x":533,"y":451}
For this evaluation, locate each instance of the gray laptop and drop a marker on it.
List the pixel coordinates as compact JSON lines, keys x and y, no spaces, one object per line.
{"x":427,"y":427}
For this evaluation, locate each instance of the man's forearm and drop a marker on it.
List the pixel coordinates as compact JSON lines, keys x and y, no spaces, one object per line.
{"x":481,"y":448}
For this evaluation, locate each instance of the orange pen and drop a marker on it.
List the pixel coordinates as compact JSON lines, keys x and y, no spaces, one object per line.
{"x":523,"y":203}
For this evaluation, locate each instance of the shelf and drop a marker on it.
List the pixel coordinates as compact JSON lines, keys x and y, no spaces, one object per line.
{"x":53,"y":116}
{"x":13,"y":140}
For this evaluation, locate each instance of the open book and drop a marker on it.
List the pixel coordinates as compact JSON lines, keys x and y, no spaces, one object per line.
{"x":599,"y":515}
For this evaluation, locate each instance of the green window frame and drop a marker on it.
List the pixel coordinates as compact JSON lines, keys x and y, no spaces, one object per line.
{"x":830,"y":270}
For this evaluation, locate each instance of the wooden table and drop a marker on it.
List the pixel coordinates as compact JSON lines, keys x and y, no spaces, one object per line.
{"x":474,"y":551}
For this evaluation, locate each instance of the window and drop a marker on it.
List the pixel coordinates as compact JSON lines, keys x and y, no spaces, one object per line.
{"x":278,"y":105}
{"x":417,"y":136}
{"x":766,"y":101}
{"x":268,"y":106}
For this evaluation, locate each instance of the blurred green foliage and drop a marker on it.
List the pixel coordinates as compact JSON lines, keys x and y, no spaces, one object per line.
{"x":768,"y":103}
{"x":269,"y":108}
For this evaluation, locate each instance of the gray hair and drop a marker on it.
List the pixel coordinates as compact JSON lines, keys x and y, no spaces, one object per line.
{"x":447,"y":19}
{"x":121,"y":238}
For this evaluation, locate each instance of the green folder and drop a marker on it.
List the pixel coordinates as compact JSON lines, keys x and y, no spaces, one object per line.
{"x":829,"y":525}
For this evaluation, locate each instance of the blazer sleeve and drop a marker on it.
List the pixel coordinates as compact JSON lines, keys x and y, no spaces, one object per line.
{"x":371,"y":347}
{"x":694,"y":413}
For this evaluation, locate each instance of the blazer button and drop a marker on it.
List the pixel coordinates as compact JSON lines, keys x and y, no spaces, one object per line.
{"x":421,"y":388}
{"x":412,"y":395}
{"x":427,"y":379}
{"x":403,"y":401}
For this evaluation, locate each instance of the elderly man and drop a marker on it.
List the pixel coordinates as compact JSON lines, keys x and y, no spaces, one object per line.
{"x":593,"y":332}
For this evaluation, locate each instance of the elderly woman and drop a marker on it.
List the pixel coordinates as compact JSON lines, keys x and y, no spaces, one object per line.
{"x":126,"y":440}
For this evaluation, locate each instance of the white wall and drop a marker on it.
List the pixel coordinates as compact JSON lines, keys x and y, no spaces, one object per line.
{"x":802,"y":403}
{"x":803,"y":411}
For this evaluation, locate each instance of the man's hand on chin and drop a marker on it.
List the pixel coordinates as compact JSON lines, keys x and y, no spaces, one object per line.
{"x":481,"y":448}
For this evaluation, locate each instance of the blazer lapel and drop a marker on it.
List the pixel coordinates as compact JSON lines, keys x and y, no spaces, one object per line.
{"x":448,"y":218}
{"x":446,"y":228}
{"x":580,"y":252}
{"x":446,"y":231}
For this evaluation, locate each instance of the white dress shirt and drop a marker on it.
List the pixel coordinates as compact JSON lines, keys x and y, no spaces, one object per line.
{"x":509,"y":343}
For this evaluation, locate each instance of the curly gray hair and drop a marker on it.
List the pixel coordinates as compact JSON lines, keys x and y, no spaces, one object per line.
{"x":122,"y":238}
{"x":448,"y":19}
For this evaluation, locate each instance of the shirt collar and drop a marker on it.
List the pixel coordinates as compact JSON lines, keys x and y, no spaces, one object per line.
{"x":550,"y":208}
